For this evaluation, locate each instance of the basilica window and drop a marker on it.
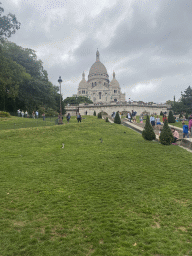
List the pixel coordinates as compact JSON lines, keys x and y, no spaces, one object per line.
{"x":92,"y":84}
{"x":83,"y":91}
{"x":115,"y":100}
{"x":95,"y":83}
{"x":115,"y":91}
{"x":99,"y":95}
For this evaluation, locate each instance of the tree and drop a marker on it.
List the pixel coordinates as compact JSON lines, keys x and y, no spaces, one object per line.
{"x":77,"y":100}
{"x":106,"y":120}
{"x":161,"y":114}
{"x":148,"y":132}
{"x":185,"y":102}
{"x":8,"y":25}
{"x":94,"y":113}
{"x":99,"y":115}
{"x":117,"y":119}
{"x":11,"y":76}
{"x":24,"y":83}
{"x":166,"y":136}
{"x":186,"y":99}
{"x":171,"y":118}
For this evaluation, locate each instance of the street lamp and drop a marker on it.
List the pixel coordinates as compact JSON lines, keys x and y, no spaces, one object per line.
{"x":60,"y":115}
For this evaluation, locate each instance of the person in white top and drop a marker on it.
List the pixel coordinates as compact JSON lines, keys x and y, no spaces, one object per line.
{"x":129,"y":117}
{"x":152,"y":120}
{"x":158,"y":123}
{"x":37,"y":114}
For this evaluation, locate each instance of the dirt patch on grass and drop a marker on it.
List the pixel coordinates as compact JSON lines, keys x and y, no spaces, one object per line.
{"x":101,"y":241}
{"x":156,"y":225}
{"x":55,"y":233}
{"x":19,"y":223}
{"x":182,"y":202}
{"x":91,"y":251}
{"x":182,"y":229}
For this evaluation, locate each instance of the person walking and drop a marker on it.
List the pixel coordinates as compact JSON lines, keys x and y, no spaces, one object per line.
{"x":43,"y":115}
{"x":26,"y":113}
{"x":22,"y":113}
{"x":79,"y":117}
{"x":68,"y":117}
{"x":129,"y":116}
{"x":18,"y":112}
{"x":158,"y":121}
{"x":37,"y":114}
{"x":33,"y":115}
{"x":164,"y":118}
{"x":152,"y":121}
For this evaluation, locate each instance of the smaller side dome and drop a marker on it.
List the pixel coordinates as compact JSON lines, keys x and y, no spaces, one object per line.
{"x":83,"y":83}
{"x":114,"y":82}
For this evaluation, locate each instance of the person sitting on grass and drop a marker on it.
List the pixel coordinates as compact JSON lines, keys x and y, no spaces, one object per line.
{"x":175,"y":135}
{"x":185,"y":130}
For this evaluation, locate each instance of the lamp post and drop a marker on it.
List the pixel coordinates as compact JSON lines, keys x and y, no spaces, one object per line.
{"x":77,"y":110}
{"x":60,"y":115}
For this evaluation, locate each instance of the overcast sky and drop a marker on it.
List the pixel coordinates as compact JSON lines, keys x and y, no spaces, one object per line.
{"x":148,"y":43}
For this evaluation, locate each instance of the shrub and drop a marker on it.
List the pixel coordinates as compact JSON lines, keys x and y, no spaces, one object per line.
{"x":99,"y":115}
{"x":166,"y":136}
{"x":4,"y":114}
{"x":148,"y":132}
{"x":161,"y":114}
{"x":106,"y":120}
{"x":117,"y":119}
{"x":94,"y":113}
{"x":171,"y":118}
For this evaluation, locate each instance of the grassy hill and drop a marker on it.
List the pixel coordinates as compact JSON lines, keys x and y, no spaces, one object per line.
{"x":124,"y":196}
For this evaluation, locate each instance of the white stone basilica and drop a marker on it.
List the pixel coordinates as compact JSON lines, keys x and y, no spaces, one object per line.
{"x":98,"y":88}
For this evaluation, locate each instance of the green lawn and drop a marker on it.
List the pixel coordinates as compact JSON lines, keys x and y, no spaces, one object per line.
{"x":19,"y":122}
{"x":179,"y":124}
{"x":124,"y":196}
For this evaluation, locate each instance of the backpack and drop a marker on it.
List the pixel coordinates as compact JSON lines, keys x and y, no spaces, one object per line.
{"x":185,"y":129}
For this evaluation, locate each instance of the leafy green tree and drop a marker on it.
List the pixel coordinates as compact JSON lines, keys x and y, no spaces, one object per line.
{"x":117,"y":119}
{"x":166,"y":136}
{"x":11,"y":76}
{"x":77,"y":100}
{"x":148,"y":132}
{"x":99,"y":115}
{"x":161,"y":113}
{"x":185,"y":102}
{"x":23,"y":77}
{"x":106,"y":120}
{"x":171,"y":118}
{"x":186,"y":99}
{"x":94,"y":113}
{"x":8,"y":24}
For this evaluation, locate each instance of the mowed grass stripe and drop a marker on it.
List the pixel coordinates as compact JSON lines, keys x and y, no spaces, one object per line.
{"x":124,"y":196}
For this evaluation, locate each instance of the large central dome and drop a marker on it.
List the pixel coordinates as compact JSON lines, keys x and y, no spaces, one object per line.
{"x":97,"y":70}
